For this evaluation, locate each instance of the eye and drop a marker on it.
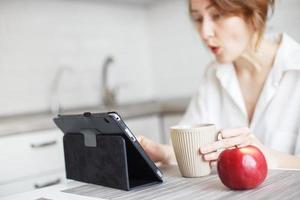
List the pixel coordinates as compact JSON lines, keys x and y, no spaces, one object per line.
{"x":217,"y":16}
{"x":198,"y":19}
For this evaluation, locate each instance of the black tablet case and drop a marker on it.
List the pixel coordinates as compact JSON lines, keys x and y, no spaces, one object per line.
{"x":112,"y":162}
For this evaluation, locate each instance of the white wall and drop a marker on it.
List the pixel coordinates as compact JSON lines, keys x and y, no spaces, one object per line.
{"x":39,"y":36}
{"x":286,"y":18}
{"x":178,"y":56}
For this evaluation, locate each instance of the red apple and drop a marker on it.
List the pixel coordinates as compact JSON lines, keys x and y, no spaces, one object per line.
{"x":242,"y":168}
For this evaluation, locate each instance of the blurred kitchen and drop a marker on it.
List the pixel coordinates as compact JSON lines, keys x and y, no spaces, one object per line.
{"x":142,"y":58}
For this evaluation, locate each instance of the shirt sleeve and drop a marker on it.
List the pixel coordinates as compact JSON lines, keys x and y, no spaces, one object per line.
{"x":195,"y":112}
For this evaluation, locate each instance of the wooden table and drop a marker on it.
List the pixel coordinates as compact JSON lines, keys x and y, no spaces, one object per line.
{"x":280,"y":184}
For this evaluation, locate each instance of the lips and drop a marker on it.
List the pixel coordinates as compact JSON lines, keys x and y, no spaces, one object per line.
{"x":215,"y":49}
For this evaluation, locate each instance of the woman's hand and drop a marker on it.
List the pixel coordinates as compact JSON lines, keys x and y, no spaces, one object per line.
{"x":156,"y":151}
{"x":229,"y":138}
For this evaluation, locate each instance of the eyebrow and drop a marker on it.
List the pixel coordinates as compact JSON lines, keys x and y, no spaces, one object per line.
{"x":207,"y":8}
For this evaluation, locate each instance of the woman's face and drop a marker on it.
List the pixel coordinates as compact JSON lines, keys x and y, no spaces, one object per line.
{"x":227,"y":36}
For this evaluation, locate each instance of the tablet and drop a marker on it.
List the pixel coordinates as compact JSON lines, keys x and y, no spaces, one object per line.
{"x":99,"y":148}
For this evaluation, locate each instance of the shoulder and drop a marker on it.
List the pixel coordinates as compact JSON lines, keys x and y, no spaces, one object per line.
{"x":290,"y":53}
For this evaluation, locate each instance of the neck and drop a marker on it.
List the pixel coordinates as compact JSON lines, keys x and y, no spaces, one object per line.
{"x":254,"y":61}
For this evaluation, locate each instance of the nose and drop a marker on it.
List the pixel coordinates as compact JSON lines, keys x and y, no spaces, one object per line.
{"x":207,"y":30}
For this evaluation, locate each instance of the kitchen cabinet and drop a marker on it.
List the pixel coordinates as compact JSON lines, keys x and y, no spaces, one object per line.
{"x":37,"y":182}
{"x":155,"y":127}
{"x":35,"y":158}
{"x":31,"y":160}
{"x":148,"y":126}
{"x":169,"y":121}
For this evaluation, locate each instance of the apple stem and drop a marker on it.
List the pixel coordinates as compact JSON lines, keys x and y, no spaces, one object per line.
{"x":236,"y":146}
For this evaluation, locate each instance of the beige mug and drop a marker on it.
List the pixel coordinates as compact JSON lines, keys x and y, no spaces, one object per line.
{"x":186,"y":141}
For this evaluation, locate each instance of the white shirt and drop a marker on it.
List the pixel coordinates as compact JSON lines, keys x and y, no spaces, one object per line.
{"x":276,"y":119}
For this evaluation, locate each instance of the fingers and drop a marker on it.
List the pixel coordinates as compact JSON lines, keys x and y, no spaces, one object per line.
{"x":139,"y":139}
{"x":226,"y":143}
{"x":147,"y":144}
{"x":142,"y":140}
{"x":211,"y":156}
{"x":228,"y":133}
{"x":213,"y":163}
{"x":227,"y":138}
{"x":156,"y":151}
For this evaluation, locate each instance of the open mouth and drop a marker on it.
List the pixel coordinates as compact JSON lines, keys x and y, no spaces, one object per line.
{"x":215,"y":49}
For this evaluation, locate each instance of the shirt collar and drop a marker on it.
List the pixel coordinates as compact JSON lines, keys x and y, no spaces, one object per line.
{"x":228,"y":79}
{"x":289,"y":51}
{"x":287,"y":58}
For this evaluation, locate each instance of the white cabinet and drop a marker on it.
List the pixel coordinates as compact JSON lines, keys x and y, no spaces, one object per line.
{"x":156,"y":127}
{"x":147,"y":126}
{"x":27,"y":157}
{"x":34,"y":160}
{"x":32,"y":183}
{"x":169,"y":121}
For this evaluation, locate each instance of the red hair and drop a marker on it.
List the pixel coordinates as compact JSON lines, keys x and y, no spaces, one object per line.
{"x":255,"y":12}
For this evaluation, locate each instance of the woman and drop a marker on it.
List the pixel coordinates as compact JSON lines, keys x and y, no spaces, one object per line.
{"x":254,"y":84}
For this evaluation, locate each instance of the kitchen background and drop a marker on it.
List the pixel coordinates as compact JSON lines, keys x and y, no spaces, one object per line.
{"x":52,"y":56}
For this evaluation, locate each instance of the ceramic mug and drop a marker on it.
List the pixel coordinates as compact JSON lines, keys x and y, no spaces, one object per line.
{"x":186,"y":141}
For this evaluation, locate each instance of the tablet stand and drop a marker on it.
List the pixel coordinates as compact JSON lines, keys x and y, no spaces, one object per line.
{"x":113,"y":162}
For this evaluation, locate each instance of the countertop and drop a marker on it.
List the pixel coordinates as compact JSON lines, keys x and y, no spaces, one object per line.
{"x":30,"y":122}
{"x":279,"y":184}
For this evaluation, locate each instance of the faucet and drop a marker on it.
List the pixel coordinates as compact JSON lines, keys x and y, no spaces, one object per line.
{"x":55,"y":106}
{"x":108,"y":95}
